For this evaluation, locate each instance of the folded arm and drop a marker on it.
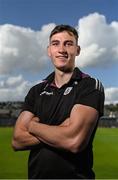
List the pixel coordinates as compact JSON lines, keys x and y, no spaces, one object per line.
{"x":22,"y":139}
{"x":73,"y":134}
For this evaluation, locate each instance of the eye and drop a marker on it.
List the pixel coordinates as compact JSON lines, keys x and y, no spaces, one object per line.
{"x":69,"y":43}
{"x":54,"y":43}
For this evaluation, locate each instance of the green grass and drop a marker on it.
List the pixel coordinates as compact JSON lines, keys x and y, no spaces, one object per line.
{"x":13,"y":165}
{"x":106,"y":153}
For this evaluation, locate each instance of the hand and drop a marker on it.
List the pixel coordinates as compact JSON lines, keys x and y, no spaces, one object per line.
{"x":35,"y":119}
{"x":32,"y":124}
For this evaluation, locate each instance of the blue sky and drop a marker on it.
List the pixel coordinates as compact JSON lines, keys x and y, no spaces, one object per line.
{"x":34,"y":14}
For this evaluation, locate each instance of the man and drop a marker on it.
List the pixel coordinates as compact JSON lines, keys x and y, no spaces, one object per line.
{"x":60,"y":115}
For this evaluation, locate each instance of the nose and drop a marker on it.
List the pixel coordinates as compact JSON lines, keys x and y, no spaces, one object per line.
{"x":62,"y":48}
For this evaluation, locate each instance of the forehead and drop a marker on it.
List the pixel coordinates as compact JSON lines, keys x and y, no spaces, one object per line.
{"x":63,"y":36}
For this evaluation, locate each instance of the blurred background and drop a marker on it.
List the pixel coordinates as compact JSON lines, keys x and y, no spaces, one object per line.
{"x":24,"y":29}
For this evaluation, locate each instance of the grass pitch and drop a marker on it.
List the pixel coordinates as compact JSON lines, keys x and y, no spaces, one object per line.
{"x":106,"y":153}
{"x":13,"y":165}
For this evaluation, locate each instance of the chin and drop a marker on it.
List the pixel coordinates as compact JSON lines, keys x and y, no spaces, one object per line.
{"x":65,"y":69}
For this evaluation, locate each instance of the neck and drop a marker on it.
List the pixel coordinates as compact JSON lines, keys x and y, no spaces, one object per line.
{"x":62,"y":78}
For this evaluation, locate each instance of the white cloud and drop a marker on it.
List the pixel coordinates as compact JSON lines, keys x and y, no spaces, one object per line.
{"x":11,"y":82}
{"x":23,"y":48}
{"x":111,"y":95}
{"x":14,"y":88}
{"x":98,"y":41}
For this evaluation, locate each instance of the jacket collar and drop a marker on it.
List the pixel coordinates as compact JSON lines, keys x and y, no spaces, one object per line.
{"x":77,"y":75}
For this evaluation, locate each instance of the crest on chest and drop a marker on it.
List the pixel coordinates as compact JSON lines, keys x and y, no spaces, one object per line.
{"x":68,"y":90}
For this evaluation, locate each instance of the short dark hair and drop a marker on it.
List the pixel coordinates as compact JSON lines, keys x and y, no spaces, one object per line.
{"x":60,"y":28}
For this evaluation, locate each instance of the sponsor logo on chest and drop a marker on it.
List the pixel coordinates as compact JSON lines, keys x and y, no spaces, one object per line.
{"x":47,"y":93}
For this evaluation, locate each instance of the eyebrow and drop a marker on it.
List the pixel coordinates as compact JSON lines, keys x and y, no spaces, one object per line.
{"x":54,"y":41}
{"x":66,"y":41}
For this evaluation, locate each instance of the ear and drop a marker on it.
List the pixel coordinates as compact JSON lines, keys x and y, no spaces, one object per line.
{"x":78,"y":50}
{"x":48,"y":51}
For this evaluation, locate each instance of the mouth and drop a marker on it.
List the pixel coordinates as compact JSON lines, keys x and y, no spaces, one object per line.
{"x":62,"y":57}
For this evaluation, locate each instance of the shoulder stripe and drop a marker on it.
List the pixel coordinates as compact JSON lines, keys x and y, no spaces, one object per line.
{"x":98,"y":85}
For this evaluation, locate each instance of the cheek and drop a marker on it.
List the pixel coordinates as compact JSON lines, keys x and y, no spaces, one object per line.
{"x":51,"y":52}
{"x":73,"y":53}
{"x":52,"y":56}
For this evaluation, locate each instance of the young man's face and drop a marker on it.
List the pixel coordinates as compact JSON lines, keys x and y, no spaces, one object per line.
{"x":62,"y":50}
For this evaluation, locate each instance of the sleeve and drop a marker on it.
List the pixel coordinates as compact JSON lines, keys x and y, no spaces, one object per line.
{"x":29,"y":103}
{"x":92,"y":94}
